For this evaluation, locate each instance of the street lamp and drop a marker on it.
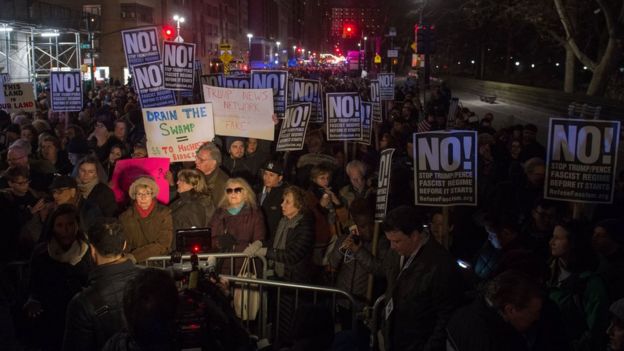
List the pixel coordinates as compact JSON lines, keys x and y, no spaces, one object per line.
{"x":178,"y":19}
{"x":295,"y":52}
{"x":278,"y":53}
{"x":249,"y":36}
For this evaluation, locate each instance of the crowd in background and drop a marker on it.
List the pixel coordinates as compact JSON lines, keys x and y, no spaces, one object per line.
{"x":535,"y":274}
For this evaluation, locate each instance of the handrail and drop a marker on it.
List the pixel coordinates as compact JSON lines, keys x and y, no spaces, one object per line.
{"x":315,"y":288}
{"x":374,"y":322}
{"x":204,"y":256}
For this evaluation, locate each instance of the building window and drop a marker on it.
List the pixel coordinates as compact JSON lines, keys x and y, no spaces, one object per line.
{"x":137,"y":12}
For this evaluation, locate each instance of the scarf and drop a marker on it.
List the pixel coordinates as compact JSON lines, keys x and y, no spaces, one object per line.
{"x":235,"y":210}
{"x":85,"y":189}
{"x":72,"y":256}
{"x":279,"y":243}
{"x":144,"y":213}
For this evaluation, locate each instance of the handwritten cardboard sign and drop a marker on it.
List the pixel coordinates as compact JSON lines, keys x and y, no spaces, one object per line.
{"x":242,"y":112}
{"x":177,"y":132}
{"x":18,"y":97}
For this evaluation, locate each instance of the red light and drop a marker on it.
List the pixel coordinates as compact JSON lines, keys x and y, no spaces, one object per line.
{"x":196,"y":248}
{"x":349,"y":29}
{"x":167,"y":32}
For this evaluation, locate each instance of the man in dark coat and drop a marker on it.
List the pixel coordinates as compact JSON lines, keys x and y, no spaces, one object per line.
{"x":423,"y":282}
{"x":497,"y":321}
{"x":207,"y":160}
{"x":95,"y":314}
{"x":236,"y":164}
{"x":270,"y":198}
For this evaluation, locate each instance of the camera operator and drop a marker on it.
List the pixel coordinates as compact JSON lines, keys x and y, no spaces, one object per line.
{"x":95,"y":314}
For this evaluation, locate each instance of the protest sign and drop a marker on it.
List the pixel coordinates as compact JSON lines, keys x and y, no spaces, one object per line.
{"x":344,"y":120}
{"x":148,"y":81}
{"x":294,"y":126}
{"x":445,"y":168}
{"x":367,"y":123}
{"x":383,"y":184}
{"x":18,"y":97}
{"x":237,"y":82}
{"x":128,"y":170}
{"x":242,"y":112}
{"x":375,"y":98}
{"x":177,"y":132}
{"x":386,"y":85}
{"x":140,"y":45}
{"x":66,"y":91}
{"x":290,"y":90}
{"x":275,"y":80}
{"x":307,"y":90}
{"x":581,"y":160}
{"x":215,"y":80}
{"x":178,"y":65}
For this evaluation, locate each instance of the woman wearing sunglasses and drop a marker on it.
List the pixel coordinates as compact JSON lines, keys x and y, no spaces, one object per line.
{"x":238,"y":221}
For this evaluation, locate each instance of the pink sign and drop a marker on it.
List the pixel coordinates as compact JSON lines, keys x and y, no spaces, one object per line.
{"x":127,"y":171}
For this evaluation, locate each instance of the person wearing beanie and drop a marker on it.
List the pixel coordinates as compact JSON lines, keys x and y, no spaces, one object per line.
{"x":236,"y":164}
{"x":102,"y":139}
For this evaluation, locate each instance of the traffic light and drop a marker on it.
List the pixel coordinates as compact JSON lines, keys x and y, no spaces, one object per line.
{"x":167,"y":32}
{"x":348,"y":31}
{"x":425,"y":39}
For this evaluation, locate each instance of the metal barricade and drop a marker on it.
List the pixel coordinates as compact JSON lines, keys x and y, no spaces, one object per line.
{"x":374,"y":323}
{"x":263,"y":285}
{"x":165,"y":261}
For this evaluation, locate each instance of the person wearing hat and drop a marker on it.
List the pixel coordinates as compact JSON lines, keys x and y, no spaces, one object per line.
{"x":77,"y":148}
{"x":616,"y":328}
{"x":270,"y":198}
{"x":147,"y":223}
{"x":236,"y":165}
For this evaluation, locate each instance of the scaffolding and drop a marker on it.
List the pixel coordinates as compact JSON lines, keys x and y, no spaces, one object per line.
{"x":29,"y":54}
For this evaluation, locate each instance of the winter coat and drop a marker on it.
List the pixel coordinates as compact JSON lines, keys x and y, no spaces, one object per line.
{"x":216,"y":184}
{"x":150,"y":236}
{"x":244,"y":228}
{"x":53,"y":283}
{"x":96,"y":313}
{"x":103,"y":197}
{"x":479,"y":326}
{"x":191,"y":209}
{"x":297,"y":254}
{"x":583,"y":302}
{"x":239,"y":168}
{"x":423,"y":298}
{"x":272,"y":209}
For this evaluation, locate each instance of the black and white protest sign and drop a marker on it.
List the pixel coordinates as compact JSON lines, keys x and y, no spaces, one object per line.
{"x":66,"y":91}
{"x":367,"y":122}
{"x":307,"y":90}
{"x":294,"y":126}
{"x":276,"y":80}
{"x":581,"y":160}
{"x":141,"y":45}
{"x":149,"y":83}
{"x":375,"y":98}
{"x":237,"y":82}
{"x":344,"y":116}
{"x":383,"y":184}
{"x":386,"y":85}
{"x":178,"y":66}
{"x":214,"y":80}
{"x":445,"y":168}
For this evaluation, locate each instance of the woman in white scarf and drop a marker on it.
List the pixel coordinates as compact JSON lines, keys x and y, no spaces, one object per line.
{"x":59,"y":269}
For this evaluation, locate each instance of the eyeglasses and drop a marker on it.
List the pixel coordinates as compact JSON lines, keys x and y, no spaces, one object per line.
{"x":148,"y":194}
{"x":235,"y":190}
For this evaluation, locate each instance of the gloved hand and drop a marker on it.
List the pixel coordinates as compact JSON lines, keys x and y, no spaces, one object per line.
{"x":253,"y":248}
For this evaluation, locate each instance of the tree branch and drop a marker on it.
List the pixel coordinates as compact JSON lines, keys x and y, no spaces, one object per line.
{"x":608,"y":15}
{"x":567,"y":26}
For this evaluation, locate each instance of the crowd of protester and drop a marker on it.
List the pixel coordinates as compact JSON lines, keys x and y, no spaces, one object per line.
{"x":516,"y":272}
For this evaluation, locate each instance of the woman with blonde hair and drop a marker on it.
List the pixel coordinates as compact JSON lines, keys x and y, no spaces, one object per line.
{"x":147,"y":224}
{"x":194,"y":206}
{"x":237,"y":221}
